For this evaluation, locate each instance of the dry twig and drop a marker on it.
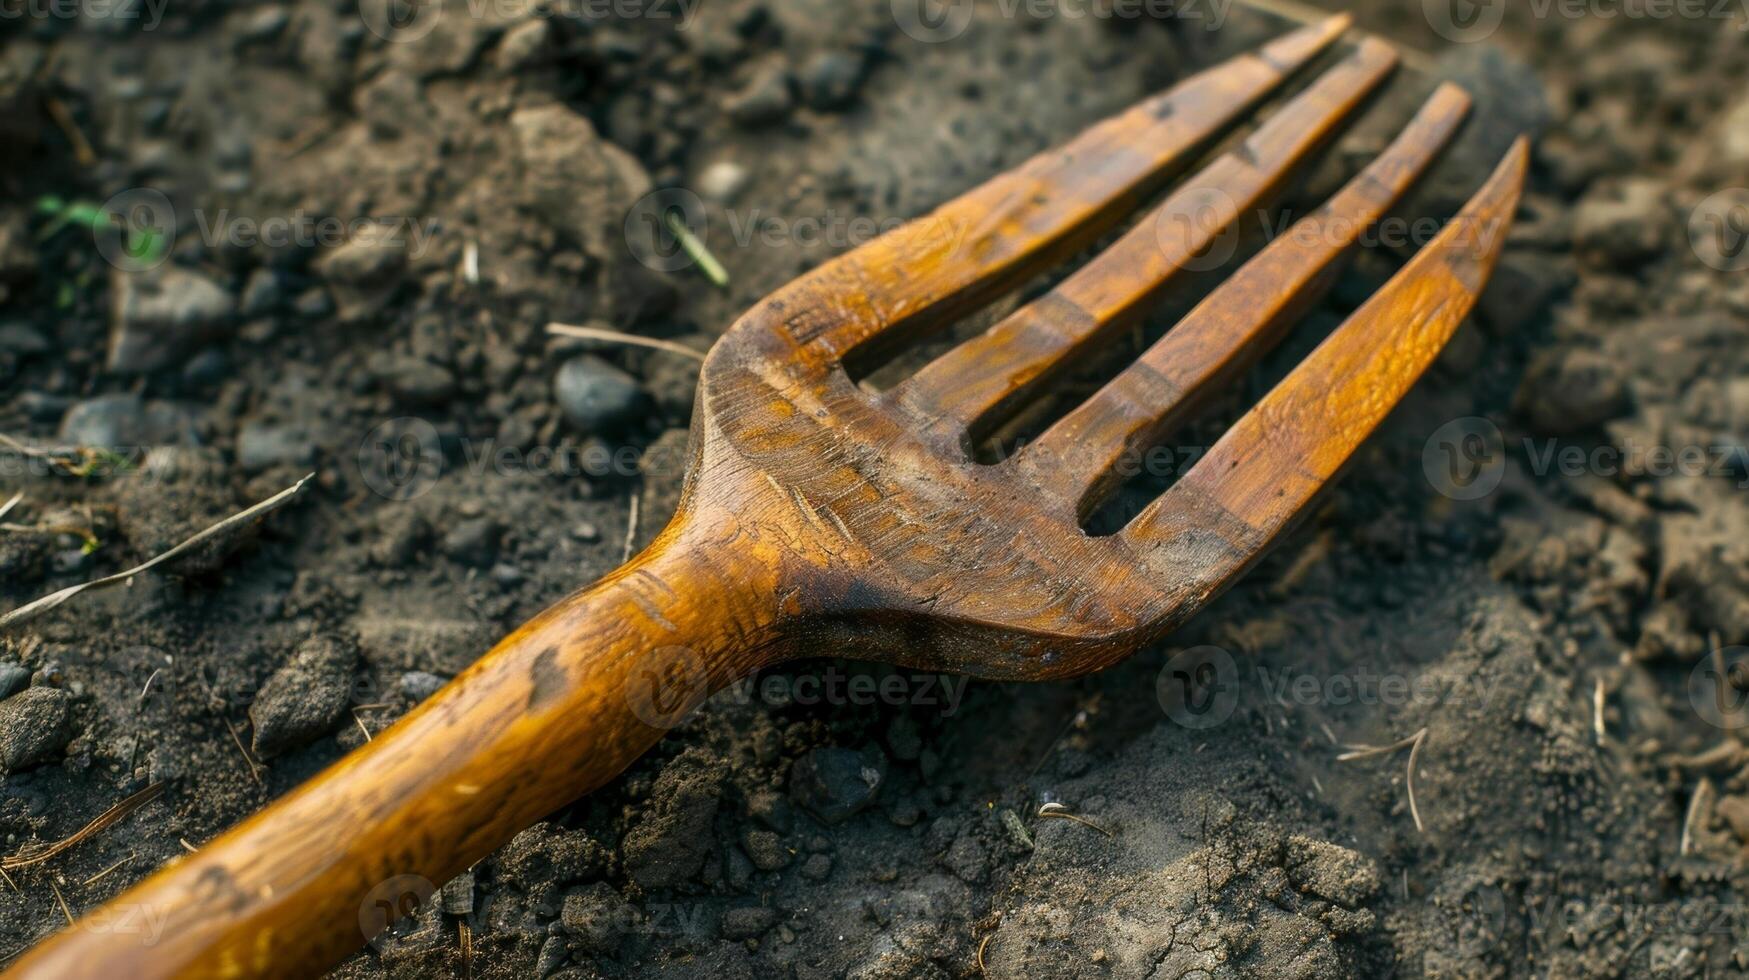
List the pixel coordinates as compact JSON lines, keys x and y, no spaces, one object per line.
{"x":616,"y":337}
{"x":54,"y":599}
{"x":254,"y":767}
{"x":631,"y":527}
{"x":37,"y":853}
{"x":1061,"y":812}
{"x":1700,"y":806}
{"x":59,"y":898}
{"x":1413,"y":744}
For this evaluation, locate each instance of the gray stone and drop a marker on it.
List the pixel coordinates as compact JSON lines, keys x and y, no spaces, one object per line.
{"x":594,"y":395}
{"x":473,"y":542}
{"x":124,"y":422}
{"x":13,"y":678}
{"x":830,"y":79}
{"x":157,"y":317}
{"x":261,"y":293}
{"x":261,"y":445}
{"x":34,"y":725}
{"x":305,"y":698}
{"x":417,"y":685}
{"x":835,"y":784}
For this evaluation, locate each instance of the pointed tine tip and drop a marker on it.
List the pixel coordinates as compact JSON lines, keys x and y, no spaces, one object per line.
{"x":1295,"y":47}
{"x":1516,"y":163}
{"x":1333,"y":26}
{"x":1450,"y":97}
{"x":1318,"y":415}
{"x":1376,"y":50}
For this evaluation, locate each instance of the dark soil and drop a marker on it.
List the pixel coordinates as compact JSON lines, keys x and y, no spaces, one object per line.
{"x":1551,"y":637}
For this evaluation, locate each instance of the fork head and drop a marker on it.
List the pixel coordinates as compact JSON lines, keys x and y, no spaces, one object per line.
{"x":890,"y":535}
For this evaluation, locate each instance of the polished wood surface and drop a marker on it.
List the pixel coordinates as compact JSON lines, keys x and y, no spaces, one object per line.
{"x":822,"y":518}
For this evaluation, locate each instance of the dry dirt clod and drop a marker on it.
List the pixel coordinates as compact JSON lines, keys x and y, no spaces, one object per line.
{"x":304,"y":699}
{"x":34,"y":725}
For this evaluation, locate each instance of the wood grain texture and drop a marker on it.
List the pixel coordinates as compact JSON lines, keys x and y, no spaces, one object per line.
{"x":978,"y":384}
{"x":1078,"y":458}
{"x":820,"y":519}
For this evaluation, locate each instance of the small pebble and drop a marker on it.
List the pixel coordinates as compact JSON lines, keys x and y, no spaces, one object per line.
{"x":835,"y":784}
{"x":723,"y":181}
{"x":594,"y":395}
{"x":417,"y":685}
{"x":13,"y":678}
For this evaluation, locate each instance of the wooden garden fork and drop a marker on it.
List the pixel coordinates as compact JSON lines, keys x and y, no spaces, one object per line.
{"x":820,"y":518}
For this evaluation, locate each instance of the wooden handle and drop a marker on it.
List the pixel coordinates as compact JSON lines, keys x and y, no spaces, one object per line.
{"x":558,"y":708}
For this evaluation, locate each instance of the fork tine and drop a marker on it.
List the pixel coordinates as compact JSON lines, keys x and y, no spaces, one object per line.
{"x":970,"y":249}
{"x":1078,"y":457}
{"x":1275,"y":459}
{"x":974,"y":386}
